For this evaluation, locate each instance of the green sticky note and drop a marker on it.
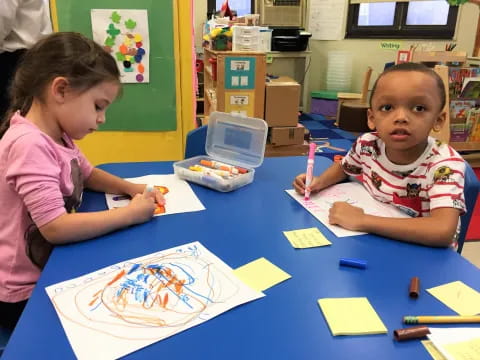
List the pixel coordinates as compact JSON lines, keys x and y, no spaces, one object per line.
{"x":269,"y":58}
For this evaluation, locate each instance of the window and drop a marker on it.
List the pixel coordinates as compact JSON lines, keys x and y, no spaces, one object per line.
{"x":242,"y":7}
{"x":433,"y":19}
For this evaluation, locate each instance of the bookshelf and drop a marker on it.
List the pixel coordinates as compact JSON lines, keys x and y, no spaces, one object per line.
{"x":234,"y":82}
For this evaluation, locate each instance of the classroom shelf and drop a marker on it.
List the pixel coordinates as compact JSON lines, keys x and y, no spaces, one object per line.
{"x":235,"y":82}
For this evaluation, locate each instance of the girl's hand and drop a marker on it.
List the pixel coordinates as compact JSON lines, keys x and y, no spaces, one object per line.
{"x":156,"y":195}
{"x":347,"y":216}
{"x":299,"y":184}
{"x":141,"y":208}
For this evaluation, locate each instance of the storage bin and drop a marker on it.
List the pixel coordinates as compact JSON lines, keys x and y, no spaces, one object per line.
{"x":235,"y":141}
{"x":324,"y":103}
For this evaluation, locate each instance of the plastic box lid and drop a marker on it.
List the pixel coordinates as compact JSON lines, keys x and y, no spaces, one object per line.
{"x":236,"y":139}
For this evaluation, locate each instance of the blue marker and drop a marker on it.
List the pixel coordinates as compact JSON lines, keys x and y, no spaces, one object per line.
{"x":357,"y":263}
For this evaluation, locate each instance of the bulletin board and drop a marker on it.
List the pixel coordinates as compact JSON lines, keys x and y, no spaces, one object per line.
{"x":146,"y":106}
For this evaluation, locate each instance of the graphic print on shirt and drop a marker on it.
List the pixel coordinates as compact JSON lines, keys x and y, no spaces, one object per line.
{"x":352,"y":169}
{"x":376,"y":180}
{"x":369,"y":147}
{"x":38,"y":249}
{"x":411,"y":203}
{"x":442,"y":174}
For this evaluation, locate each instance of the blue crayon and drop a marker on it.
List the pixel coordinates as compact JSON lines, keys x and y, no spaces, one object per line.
{"x":357,"y":263}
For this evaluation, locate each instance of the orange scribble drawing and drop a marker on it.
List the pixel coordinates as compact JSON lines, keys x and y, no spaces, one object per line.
{"x":161,"y":208}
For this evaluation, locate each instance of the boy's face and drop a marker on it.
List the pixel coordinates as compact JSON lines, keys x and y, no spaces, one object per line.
{"x":405,"y":108}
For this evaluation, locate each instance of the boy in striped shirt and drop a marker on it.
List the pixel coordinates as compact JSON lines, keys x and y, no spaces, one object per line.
{"x":399,"y":163}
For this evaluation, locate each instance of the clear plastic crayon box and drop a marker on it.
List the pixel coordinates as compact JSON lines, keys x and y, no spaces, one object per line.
{"x":235,"y":145}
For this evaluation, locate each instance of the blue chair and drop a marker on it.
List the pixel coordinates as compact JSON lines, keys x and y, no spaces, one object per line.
{"x":195,"y":143}
{"x":4,"y":336}
{"x":470,"y":191}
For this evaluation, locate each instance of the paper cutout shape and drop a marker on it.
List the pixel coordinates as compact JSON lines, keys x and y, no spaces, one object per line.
{"x":261,"y":274}
{"x":351,"y":316}
{"x":179,"y":196}
{"x":459,"y":297}
{"x":306,"y":238}
{"x":352,"y":192}
{"x":119,"y":309}
{"x":121,"y":31}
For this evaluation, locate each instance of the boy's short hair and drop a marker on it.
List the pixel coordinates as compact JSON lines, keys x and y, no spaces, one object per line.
{"x":418,"y":67}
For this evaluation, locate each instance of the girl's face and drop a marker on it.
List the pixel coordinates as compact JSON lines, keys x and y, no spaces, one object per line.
{"x":82,"y":113}
{"x":405,"y":108}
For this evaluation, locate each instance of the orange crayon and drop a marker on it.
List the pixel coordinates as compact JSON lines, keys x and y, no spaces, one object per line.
{"x":221,"y":166}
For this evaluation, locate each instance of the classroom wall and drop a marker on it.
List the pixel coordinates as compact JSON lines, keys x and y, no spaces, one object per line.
{"x":200,"y":8}
{"x":368,"y":52}
{"x":126,"y":146}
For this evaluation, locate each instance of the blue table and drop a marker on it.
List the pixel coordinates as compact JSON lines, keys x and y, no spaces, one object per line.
{"x":239,"y":227}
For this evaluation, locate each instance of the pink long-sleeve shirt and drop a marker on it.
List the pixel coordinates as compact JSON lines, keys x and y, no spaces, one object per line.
{"x":40,"y":180}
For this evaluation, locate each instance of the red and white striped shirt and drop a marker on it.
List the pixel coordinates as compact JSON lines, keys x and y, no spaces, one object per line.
{"x":434,"y":180}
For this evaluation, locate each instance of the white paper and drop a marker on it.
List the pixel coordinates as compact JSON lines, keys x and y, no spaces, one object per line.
{"x":119,"y":309}
{"x":352,"y":192}
{"x":124,"y":34}
{"x":442,"y":337}
{"x":326,"y":19}
{"x":180,"y":197}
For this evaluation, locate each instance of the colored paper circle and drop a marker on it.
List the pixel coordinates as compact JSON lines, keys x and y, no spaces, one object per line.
{"x":139,"y":77}
{"x":141,"y":68}
{"x":141,"y":51}
{"x":127,"y":64}
{"x":138,"y":58}
{"x":138,"y":38}
{"x":138,"y":44}
{"x":123,"y":49}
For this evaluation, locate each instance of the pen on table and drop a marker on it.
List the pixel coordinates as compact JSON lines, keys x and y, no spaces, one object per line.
{"x":308,"y":180}
{"x":448,"y":319}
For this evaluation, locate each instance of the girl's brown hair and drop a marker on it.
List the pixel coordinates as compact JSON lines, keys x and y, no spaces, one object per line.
{"x":64,"y":54}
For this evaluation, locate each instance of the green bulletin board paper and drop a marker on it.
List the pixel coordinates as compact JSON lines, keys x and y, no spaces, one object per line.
{"x":142,"y":107}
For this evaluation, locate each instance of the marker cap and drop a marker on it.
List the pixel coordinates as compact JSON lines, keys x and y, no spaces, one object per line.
{"x":357,"y":263}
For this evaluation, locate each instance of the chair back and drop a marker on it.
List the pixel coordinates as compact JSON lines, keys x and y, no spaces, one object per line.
{"x":470,"y":192}
{"x":195,"y":143}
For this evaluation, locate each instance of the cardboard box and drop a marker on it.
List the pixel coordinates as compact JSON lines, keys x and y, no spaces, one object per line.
{"x":290,"y":135}
{"x":282,"y":102}
{"x":286,"y":150}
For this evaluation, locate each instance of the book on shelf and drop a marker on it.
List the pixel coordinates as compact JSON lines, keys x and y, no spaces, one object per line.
{"x":471,"y":88}
{"x":456,"y":77}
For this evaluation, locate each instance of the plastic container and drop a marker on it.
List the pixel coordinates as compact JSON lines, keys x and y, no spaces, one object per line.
{"x":339,"y":71}
{"x":233,"y":140}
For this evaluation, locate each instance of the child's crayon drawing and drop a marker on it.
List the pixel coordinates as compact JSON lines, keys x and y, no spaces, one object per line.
{"x":119,"y":309}
{"x":351,"y":192}
{"x":179,"y":196}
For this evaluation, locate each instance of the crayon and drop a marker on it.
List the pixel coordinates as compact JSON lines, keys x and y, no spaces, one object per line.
{"x":414,"y":287}
{"x":414,"y":332}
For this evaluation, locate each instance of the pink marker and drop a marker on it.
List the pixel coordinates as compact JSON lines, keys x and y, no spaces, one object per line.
{"x":308,"y":180}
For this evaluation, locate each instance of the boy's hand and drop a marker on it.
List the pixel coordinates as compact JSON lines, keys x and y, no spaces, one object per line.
{"x":299,"y":184}
{"x":141,"y":208}
{"x":347,"y":216}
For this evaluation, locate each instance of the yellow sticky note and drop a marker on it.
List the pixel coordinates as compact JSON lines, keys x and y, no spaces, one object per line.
{"x":464,"y":350}
{"x":351,"y":316}
{"x":306,"y":238}
{"x":432,"y":350}
{"x":261,"y":274}
{"x":459,"y":297}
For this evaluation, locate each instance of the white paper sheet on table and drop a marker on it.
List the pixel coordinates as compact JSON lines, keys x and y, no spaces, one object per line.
{"x":352,"y":192}
{"x":180,"y":197}
{"x":456,"y":343}
{"x":122,"y":308}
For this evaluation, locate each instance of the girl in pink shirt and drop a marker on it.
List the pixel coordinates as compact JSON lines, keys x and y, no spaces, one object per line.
{"x":60,"y":93}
